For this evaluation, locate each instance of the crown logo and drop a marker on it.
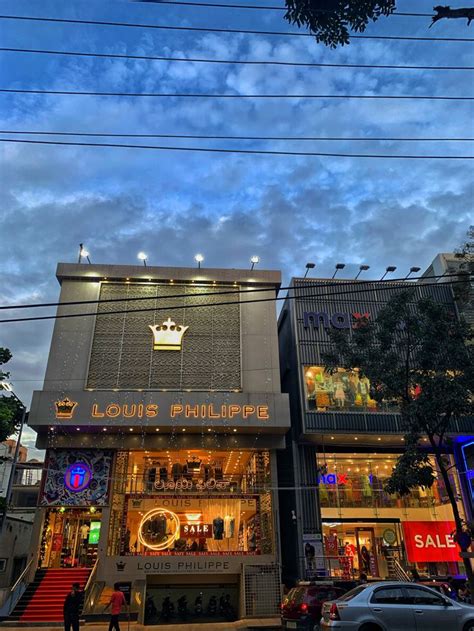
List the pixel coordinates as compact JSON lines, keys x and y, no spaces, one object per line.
{"x":120,"y":566}
{"x":168,"y":336}
{"x":65,"y":408}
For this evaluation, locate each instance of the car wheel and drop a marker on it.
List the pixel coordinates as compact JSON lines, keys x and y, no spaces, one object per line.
{"x":369,"y":626}
{"x":469,"y":626}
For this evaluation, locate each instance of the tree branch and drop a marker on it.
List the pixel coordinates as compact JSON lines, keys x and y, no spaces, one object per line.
{"x":447,"y":12}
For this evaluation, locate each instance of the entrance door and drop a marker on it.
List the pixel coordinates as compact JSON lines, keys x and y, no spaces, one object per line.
{"x":366,"y":551}
{"x":71,"y":537}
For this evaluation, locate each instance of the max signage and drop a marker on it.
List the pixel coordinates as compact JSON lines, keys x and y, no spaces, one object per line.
{"x":338,"y":478}
{"x":337,"y":320}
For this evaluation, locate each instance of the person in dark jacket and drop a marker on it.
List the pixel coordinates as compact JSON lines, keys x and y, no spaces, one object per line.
{"x":72,"y":608}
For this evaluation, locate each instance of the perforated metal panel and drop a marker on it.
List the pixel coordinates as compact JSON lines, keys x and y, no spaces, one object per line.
{"x":262,"y":590}
{"x":122,"y":354}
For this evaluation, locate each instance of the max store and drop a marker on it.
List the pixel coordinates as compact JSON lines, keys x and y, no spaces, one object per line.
{"x":161,"y":417}
{"x":343,"y":446}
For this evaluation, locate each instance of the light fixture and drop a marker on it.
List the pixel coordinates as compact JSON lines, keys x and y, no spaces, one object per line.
{"x":338,"y":267}
{"x":104,"y":429}
{"x":6,"y":386}
{"x":157,"y":429}
{"x":235,"y":430}
{"x":184,"y":429}
{"x":131,"y":429}
{"x":83,"y":253}
{"x":199,"y":259}
{"x":308,"y":267}
{"x":142,"y":257}
{"x":389,"y":270}
{"x":254,"y":260}
{"x":355,"y":438}
{"x":413,"y":270}
{"x":362,"y":268}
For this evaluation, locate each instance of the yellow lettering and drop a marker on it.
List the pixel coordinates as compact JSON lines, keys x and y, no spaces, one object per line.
{"x":112,"y":410}
{"x":95,"y":411}
{"x":203,"y":410}
{"x":248,"y":410}
{"x":191,"y":410}
{"x":262,"y":412}
{"x":213,"y":414}
{"x":151,"y":410}
{"x":140,"y":410}
{"x":129,"y":411}
{"x":234,"y":410}
{"x":176,"y":409}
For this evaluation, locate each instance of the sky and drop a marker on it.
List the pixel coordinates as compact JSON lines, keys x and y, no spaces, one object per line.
{"x":286,"y":209}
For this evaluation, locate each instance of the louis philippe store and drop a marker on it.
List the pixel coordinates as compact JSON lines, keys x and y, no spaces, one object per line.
{"x":161,"y":429}
{"x":343,"y":446}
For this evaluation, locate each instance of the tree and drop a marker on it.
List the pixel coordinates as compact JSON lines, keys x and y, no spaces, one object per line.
{"x":418,"y":356}
{"x":331,"y":20}
{"x":9,"y":408}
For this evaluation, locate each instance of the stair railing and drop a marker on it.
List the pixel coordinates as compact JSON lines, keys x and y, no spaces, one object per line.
{"x":16,"y":592}
{"x":401,"y":574}
{"x":89,"y":589}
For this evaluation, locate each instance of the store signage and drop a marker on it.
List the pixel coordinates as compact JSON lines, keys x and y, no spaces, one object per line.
{"x":65,"y":408}
{"x":200,"y":565}
{"x":188,"y":485}
{"x":338,"y":478}
{"x":78,"y":476}
{"x":337,"y":320}
{"x":430,"y":541}
{"x":181,"y":411}
{"x":167,"y":336}
{"x":196,"y":530}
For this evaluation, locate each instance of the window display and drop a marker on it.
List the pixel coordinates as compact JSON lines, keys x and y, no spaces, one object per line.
{"x":340,"y":389}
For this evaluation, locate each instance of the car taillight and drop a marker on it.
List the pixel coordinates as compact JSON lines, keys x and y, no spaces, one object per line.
{"x":303,"y":607}
{"x":334,"y":613}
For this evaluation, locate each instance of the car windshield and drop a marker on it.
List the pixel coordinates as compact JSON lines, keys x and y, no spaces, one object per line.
{"x":353,"y":592}
{"x":295,"y":595}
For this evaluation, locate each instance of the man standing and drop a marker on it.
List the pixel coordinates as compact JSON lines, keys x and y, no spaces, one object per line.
{"x":72,"y":608}
{"x":117,"y":601}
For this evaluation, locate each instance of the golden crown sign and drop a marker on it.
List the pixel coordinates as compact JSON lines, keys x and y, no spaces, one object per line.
{"x":168,"y":336}
{"x":65,"y":408}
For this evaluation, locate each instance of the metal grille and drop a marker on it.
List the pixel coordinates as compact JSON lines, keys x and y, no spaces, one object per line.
{"x":118,"y":502}
{"x":262,"y":590}
{"x":122,"y":354}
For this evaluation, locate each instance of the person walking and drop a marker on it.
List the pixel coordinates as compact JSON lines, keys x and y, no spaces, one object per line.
{"x":117,"y":601}
{"x":72,"y":608}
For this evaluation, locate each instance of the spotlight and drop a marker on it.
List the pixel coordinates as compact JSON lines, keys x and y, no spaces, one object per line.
{"x":199,"y":259}
{"x":83,"y":253}
{"x":308,"y":267}
{"x":338,"y":267}
{"x":143,"y":257}
{"x":413,"y":270}
{"x":362,"y":268}
{"x":254,"y":260}
{"x":389,"y":270}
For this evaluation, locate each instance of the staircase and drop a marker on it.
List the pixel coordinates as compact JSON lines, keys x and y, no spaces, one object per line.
{"x":395,"y":570}
{"x":44,"y":597}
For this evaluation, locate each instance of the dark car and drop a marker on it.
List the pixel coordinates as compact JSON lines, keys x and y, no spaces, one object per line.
{"x":301,"y":607}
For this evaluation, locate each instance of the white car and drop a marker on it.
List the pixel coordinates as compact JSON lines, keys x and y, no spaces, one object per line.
{"x":394,"y":606}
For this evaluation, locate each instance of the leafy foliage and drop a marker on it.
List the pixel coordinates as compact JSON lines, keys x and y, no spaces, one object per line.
{"x":331,"y":20}
{"x":10,"y":412}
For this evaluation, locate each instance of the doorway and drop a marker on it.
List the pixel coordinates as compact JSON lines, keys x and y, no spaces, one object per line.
{"x":70,"y":537}
{"x":366,"y":551}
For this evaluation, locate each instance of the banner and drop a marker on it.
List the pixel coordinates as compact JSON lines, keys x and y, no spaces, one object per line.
{"x":430,"y":541}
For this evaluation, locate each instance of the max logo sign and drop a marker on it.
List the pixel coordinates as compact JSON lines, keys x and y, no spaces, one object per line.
{"x":337,"y":320}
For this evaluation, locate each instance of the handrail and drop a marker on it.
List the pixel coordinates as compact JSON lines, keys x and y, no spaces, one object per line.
{"x":91,"y":575}
{"x":16,"y":589}
{"x":20,"y":578}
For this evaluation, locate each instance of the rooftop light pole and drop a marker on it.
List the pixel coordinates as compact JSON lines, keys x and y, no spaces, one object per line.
{"x":389,"y":270}
{"x":254,"y":260}
{"x":142,"y":257}
{"x":338,"y":267}
{"x":362,"y":268}
{"x":83,"y":253}
{"x":413,"y":270}
{"x":6,"y":386}
{"x":308,"y":267}
{"x":199,"y":259}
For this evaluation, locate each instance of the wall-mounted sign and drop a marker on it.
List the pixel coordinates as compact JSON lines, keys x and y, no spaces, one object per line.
{"x":389,"y":536}
{"x":196,"y":530}
{"x":339,"y":478}
{"x":188,"y":485}
{"x":65,"y":408}
{"x":337,"y":320}
{"x":78,"y":476}
{"x":178,"y":410}
{"x":430,"y":541}
{"x":94,"y":532}
{"x":167,"y":336}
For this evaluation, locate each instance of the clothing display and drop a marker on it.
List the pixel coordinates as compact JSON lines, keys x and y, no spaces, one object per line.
{"x":229,"y":526}
{"x":84,"y":531}
{"x":218,"y":528}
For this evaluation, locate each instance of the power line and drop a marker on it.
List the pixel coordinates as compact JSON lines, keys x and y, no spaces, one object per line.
{"x":230,"y":61}
{"x":218,"y":137}
{"x":201,"y":95}
{"x":201,"y":306}
{"x":238,"y":151}
{"x":226,"y":30}
{"x":233,"y":291}
{"x":221,"y":5}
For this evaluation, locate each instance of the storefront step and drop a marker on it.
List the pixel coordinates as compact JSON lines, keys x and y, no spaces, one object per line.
{"x":265,"y":624}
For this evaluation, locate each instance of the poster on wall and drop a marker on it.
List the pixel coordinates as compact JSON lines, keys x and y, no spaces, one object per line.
{"x":77,"y":478}
{"x":313,"y":556}
{"x":430,"y":541}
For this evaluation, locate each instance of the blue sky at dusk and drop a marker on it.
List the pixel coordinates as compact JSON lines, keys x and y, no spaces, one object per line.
{"x":288,"y":210}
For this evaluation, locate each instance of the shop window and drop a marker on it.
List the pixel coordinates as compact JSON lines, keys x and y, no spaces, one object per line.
{"x":341,"y":389}
{"x":389,"y":596}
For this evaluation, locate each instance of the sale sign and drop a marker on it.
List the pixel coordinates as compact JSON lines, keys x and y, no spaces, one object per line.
{"x":430,"y":541}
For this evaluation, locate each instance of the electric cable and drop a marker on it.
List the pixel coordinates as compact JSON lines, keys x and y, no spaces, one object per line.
{"x":220,"y":137}
{"x":197,"y":29}
{"x":204,"y":95}
{"x":318,"y":284}
{"x":200,"y":305}
{"x":239,"y":151}
{"x":230,"y":61}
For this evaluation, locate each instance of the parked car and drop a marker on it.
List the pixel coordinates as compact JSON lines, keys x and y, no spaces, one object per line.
{"x":301,"y":607}
{"x":396,"y":607}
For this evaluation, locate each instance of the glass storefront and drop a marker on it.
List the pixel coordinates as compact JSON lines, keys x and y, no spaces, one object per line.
{"x":341,"y":389}
{"x":202,"y":502}
{"x":366,"y":530}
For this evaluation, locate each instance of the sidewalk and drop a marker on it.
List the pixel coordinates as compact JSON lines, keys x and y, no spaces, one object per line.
{"x":240,"y":625}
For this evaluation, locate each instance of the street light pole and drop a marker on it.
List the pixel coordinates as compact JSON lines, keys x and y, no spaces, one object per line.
{"x":11,"y":478}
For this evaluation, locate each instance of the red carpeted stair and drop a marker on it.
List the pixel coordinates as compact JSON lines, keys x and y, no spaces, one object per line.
{"x":45,"y":604}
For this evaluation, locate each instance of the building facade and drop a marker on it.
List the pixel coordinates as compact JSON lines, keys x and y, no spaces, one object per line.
{"x":342,"y":447}
{"x":161,"y":415}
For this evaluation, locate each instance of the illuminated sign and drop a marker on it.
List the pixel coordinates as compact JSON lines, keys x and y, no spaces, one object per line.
{"x":337,"y":320}
{"x":196,"y":530}
{"x":65,"y":408}
{"x":159,"y":529}
{"x":338,"y":478}
{"x":94,"y":532}
{"x":178,"y":410}
{"x":188,"y":485}
{"x":78,"y":476}
{"x":167,"y":336}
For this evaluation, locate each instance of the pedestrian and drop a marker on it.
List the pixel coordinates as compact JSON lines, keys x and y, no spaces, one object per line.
{"x":116,"y":602}
{"x":72,"y":608}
